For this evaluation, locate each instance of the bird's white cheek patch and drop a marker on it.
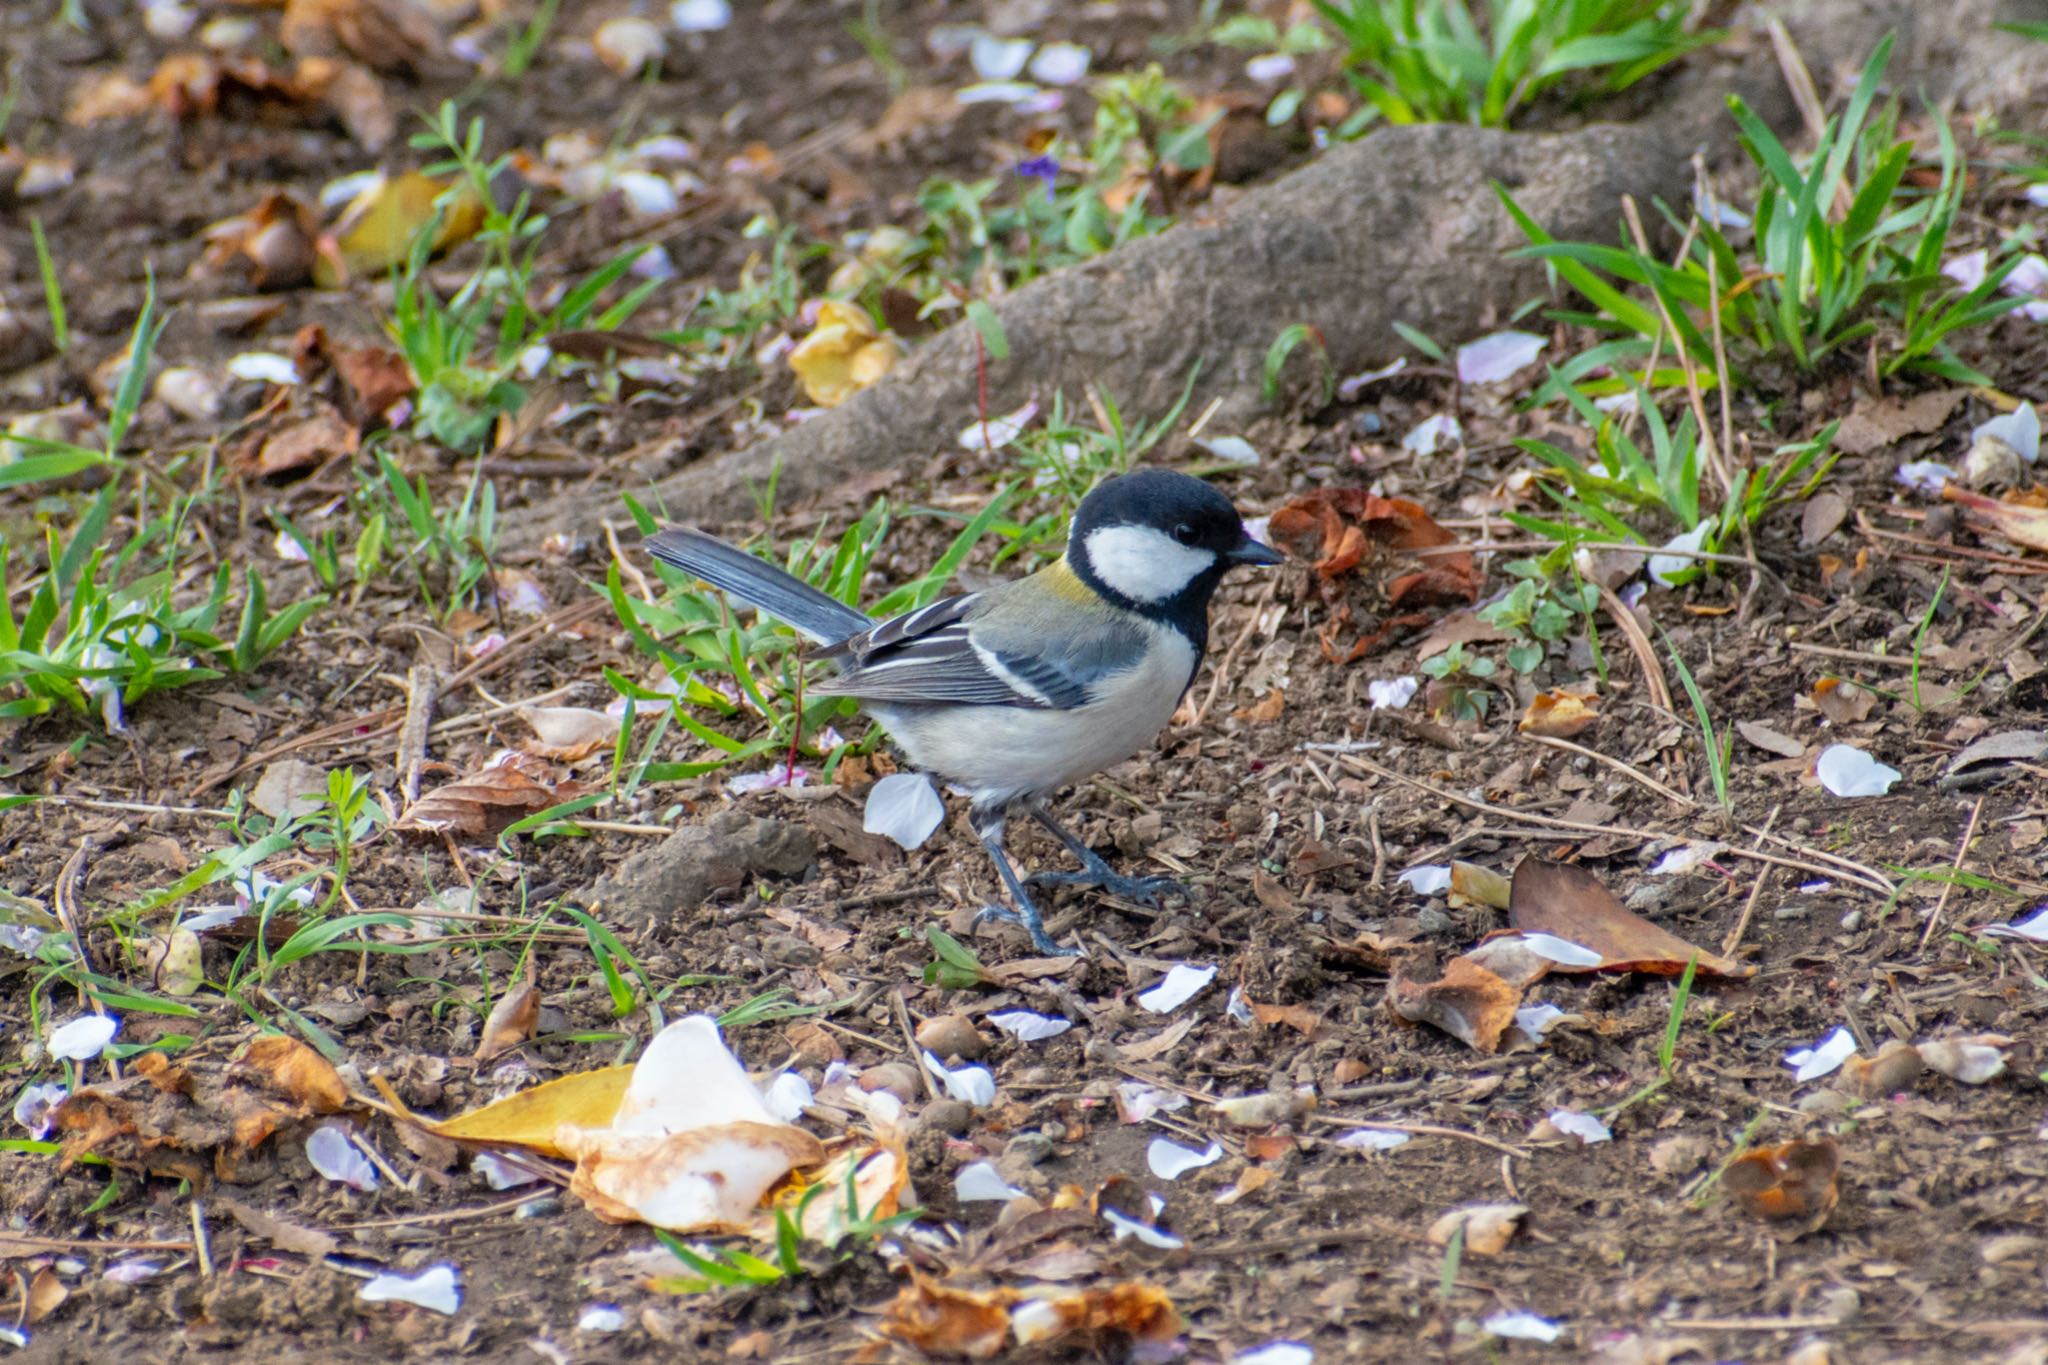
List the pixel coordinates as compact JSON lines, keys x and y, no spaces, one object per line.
{"x":1144,"y":564}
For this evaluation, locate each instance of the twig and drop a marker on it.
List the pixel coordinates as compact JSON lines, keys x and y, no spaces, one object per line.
{"x":1222,"y":670}
{"x":1756,"y":889}
{"x":1417,"y":1130}
{"x":1962,"y":851}
{"x":200,"y":1243}
{"x":931,"y":1088}
{"x":1619,"y":766}
{"x":1639,"y":645}
{"x":422,"y":686}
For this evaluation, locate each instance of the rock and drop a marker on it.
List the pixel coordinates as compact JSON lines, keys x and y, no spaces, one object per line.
{"x":790,"y":950}
{"x":946,"y":1116}
{"x":898,"y":1078}
{"x":682,"y":871}
{"x":951,"y":1035}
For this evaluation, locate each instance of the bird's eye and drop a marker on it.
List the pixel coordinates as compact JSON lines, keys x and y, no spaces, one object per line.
{"x":1184,"y":533}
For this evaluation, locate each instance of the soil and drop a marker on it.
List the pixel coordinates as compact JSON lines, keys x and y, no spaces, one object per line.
{"x":1284,"y":800}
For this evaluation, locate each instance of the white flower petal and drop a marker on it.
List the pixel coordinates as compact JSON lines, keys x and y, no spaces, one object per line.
{"x":1426,"y":880}
{"x":1391,"y":694}
{"x":1137,"y":1101}
{"x":1536,"y":1019}
{"x":2037,"y":194}
{"x":1664,"y":569}
{"x":1276,"y":1353}
{"x":1270,"y":66}
{"x":1235,"y":1009}
{"x":267,"y":366}
{"x":1179,"y":986}
{"x":33,"y":1106}
{"x":1973,"y":1061}
{"x":1824,"y":1058}
{"x":1171,"y":1161}
{"x":905,"y":807}
{"x":1584,"y":1127}
{"x":1349,"y":389}
{"x":330,"y":1153}
{"x":1968,"y":269}
{"x":83,"y":1038}
{"x":1719,"y":214}
{"x":1687,"y":858}
{"x":998,"y":59}
{"x":1433,"y":434}
{"x":1027,"y":1027}
{"x":787,"y":1096}
{"x":647,"y":194}
{"x":999,"y":431}
{"x":602,"y":1317}
{"x":2020,"y":429}
{"x":997,"y":92}
{"x":1846,"y":770}
{"x":1499,"y":356}
{"x":434,"y":1289}
{"x":1521,"y":1325}
{"x":699,"y":16}
{"x":499,"y":1173}
{"x":974,"y":1084}
{"x":1126,"y":1226}
{"x":1232,"y":449}
{"x":1060,"y":63}
{"x":1925,"y":476}
{"x":980,"y":1183}
{"x":1562,"y":951}
{"x":1372,"y":1140}
{"x":2034,"y":927}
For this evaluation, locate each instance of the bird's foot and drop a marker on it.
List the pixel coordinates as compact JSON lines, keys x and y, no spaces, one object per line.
{"x":1028,"y":920}
{"x":1141,"y":890}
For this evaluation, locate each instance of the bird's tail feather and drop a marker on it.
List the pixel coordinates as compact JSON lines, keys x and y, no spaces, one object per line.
{"x":784,"y":596}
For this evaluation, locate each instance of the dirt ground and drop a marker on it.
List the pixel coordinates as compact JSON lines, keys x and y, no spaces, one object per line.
{"x":1286,"y":802}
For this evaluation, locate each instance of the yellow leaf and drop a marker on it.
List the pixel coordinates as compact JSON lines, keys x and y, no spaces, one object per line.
{"x":842,"y":355}
{"x":529,"y":1119}
{"x":375,"y":231}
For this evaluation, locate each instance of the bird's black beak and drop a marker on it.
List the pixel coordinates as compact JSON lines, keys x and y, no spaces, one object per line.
{"x":1250,"y":551}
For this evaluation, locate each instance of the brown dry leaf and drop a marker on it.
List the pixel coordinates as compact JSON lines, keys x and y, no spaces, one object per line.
{"x":479,"y":805}
{"x":43,"y":1295}
{"x":1893,"y":1069}
{"x":294,"y":444}
{"x":947,"y":1320}
{"x":1488,"y":1227}
{"x":1769,"y":740}
{"x":1268,"y":1147}
{"x":1559,"y":713}
{"x":1298,"y":1017}
{"x":510,"y":1023}
{"x":1572,"y":904}
{"x":940,"y":1320}
{"x":273,"y":244}
{"x":2023,"y":525}
{"x":295,"y":1070}
{"x":1878,"y":423}
{"x":158,"y":1071}
{"x":1794,"y":1183}
{"x":1341,"y":530}
{"x":1158,"y":1045}
{"x":529,"y":1118}
{"x":569,"y":734}
{"x":280,"y":1233}
{"x":394,"y":37}
{"x":1468,"y":1002}
{"x":1264,"y":711}
{"x":371,"y":378}
{"x":353,"y":96}
{"x":1841,"y":701}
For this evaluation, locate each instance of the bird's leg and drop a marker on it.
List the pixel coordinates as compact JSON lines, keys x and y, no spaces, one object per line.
{"x":1095,"y":872}
{"x":988,"y":827}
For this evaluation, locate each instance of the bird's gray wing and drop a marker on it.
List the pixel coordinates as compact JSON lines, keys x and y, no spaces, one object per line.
{"x":987,"y":649}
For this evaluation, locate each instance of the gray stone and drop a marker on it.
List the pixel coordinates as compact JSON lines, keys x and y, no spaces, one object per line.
{"x":682,"y":871}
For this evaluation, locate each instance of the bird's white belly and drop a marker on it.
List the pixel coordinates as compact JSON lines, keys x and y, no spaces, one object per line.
{"x":1004,"y":752}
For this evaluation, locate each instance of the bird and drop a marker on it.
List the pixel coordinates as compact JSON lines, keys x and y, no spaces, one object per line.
{"x":1026,"y":687}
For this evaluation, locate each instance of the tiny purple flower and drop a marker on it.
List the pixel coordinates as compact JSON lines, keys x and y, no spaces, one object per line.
{"x":1041,"y":168}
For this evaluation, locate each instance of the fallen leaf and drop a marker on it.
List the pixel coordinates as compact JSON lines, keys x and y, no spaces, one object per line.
{"x":395,"y":37}
{"x":292,"y":444}
{"x":1488,"y":1228}
{"x":285,"y":1236}
{"x":293,"y":1069}
{"x":1300,"y":1018}
{"x":1841,"y":701}
{"x":273,"y":245}
{"x":1559,"y":714}
{"x":979,"y":1324}
{"x":1769,"y":740}
{"x":1794,"y":1182}
{"x":376,"y":229}
{"x":1159,"y":1044}
{"x":1264,"y":711}
{"x":480,"y":804}
{"x":2023,"y":525}
{"x":510,"y":1023}
{"x":1893,"y":1069}
{"x":1879,"y":423}
{"x":1572,"y":904}
{"x":372,"y":378}
{"x":43,"y":1295}
{"x":843,"y":354}
{"x":569,"y":734}
{"x":1468,"y":1002}
{"x":529,"y":1118}
{"x":1344,"y":530}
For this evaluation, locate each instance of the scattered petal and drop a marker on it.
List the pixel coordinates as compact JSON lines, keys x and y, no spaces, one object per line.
{"x":1433,"y":434}
{"x":2019,"y":429}
{"x":1811,"y":1063}
{"x":1687,"y":858}
{"x":1276,"y":1353}
{"x":905,"y":807}
{"x":1664,"y":569}
{"x":331,"y":1154}
{"x":1499,"y":356}
{"x":433,"y":1289}
{"x":1973,"y":1061}
{"x":781,"y":775}
{"x":1392,"y":694}
{"x":1126,"y":1226}
{"x":647,"y":194}
{"x":1846,"y":770}
{"x":1716,"y":212}
{"x":1372,"y":1140}
{"x":980,"y":1183}
{"x":1270,"y":66}
{"x":1231,"y":449}
{"x":32,"y":1108}
{"x":1179,"y":986}
{"x":1137,"y":1101}
{"x":1968,"y":269}
{"x":699,"y":16}
{"x":1536,"y":1020}
{"x":2037,"y":194}
{"x":2034,"y":927}
{"x":1564,"y":952}
{"x":1060,"y":63}
{"x":501,"y":1174}
{"x":1428,"y":880}
{"x":83,"y":1038}
{"x":628,"y":45}
{"x":133,"y":1270}
{"x":1171,"y":1161}
{"x":1521,"y":1325}
{"x":998,"y":59}
{"x":1027,"y":1027}
{"x":974,"y":1084}
{"x":265,"y":366}
{"x":787,"y":1096}
{"x":602,"y":1317}
{"x":1349,"y":389}
{"x":1584,"y":1127}
{"x":998,"y":432}
{"x":997,"y":92}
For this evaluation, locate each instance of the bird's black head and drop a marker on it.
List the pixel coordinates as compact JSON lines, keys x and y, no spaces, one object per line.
{"x":1158,"y":542}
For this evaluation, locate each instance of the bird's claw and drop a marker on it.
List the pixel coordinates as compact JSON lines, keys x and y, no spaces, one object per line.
{"x":1145,"y":891}
{"x":1030,"y":924}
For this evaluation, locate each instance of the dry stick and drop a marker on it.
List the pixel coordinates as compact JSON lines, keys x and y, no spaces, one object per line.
{"x":1962,"y":851}
{"x":1827,"y":865}
{"x":422,"y":686}
{"x":31,"y":1243}
{"x":931,"y":1088}
{"x":138,"y":807}
{"x":1639,"y":645}
{"x":1222,"y":671}
{"x":1418,"y":1130}
{"x":452,"y":1216}
{"x":1756,"y":889}
{"x":1686,"y":365}
{"x":1618,"y":765}
{"x":200,"y":1243}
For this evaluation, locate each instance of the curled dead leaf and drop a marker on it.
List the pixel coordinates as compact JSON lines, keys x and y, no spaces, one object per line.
{"x":511,"y":1022}
{"x":480,"y":804}
{"x":43,"y":1295}
{"x":1345,"y":531}
{"x":950,"y":1320}
{"x":293,"y":1069}
{"x":1488,"y":1228}
{"x":1794,"y":1183}
{"x":1300,"y":1018}
{"x":1570,"y":903}
{"x":569,"y":734}
{"x":2021,"y":523}
{"x":1559,"y":714}
{"x":1841,"y":701}
{"x":1893,"y":1069}
{"x":1468,"y":1002}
